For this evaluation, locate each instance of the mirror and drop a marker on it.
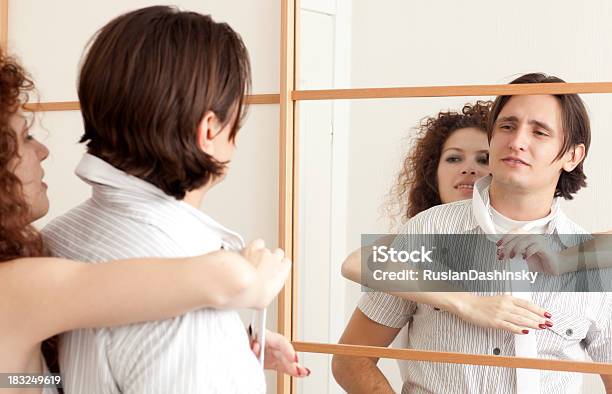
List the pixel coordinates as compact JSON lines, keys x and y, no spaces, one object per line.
{"x":350,"y":151}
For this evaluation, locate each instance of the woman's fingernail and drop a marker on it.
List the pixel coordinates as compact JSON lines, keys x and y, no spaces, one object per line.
{"x":298,"y":370}
{"x":547,"y":315}
{"x":542,"y":326}
{"x":295,"y":358}
{"x":525,"y":331}
{"x":549,"y":323}
{"x":308,"y":371}
{"x":511,"y":255}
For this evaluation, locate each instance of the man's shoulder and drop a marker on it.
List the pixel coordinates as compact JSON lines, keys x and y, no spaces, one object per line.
{"x":453,"y":217}
{"x":565,"y":225}
{"x":65,"y":223}
{"x":89,"y":233}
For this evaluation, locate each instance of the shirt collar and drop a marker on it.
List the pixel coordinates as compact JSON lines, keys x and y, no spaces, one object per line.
{"x":559,"y":223}
{"x":110,"y":184}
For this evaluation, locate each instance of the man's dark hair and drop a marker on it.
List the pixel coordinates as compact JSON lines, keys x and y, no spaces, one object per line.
{"x":145,"y":84}
{"x":576,"y":130}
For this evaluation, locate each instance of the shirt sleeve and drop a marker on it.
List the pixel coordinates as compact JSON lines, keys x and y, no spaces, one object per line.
{"x":599,"y":338}
{"x":385,"y":309}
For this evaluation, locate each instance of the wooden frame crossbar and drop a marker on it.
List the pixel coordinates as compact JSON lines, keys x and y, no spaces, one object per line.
{"x":452,"y":91}
{"x":455,"y":358}
{"x":253,"y":99}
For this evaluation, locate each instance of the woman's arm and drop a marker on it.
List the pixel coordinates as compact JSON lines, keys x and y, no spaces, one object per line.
{"x":499,"y":311}
{"x":595,"y":254}
{"x":46,"y":296}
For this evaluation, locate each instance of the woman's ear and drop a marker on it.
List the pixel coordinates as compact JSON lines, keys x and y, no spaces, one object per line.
{"x":207,"y":130}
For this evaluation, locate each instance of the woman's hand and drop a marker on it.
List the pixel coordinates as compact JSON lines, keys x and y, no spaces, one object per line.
{"x":279,"y":355}
{"x":501,"y":312}
{"x":533,"y":249}
{"x":271,"y":272}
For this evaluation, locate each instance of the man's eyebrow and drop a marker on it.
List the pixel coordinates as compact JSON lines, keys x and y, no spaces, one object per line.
{"x":507,"y":119}
{"x":541,"y":124}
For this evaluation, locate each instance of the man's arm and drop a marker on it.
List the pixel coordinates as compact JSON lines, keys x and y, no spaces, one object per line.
{"x":360,"y":374}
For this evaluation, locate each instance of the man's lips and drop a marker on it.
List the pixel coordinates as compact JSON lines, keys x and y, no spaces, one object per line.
{"x":514,"y":161}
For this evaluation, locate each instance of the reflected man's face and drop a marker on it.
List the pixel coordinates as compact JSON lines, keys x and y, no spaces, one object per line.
{"x":527,"y":137}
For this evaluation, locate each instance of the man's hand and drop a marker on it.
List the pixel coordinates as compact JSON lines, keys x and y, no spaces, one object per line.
{"x":279,"y":355}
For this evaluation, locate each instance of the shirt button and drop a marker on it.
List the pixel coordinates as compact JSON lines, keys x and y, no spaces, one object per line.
{"x":569,"y":332}
{"x":496,"y":351}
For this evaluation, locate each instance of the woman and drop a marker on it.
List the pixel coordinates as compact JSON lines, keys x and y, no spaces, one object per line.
{"x":39,"y":293}
{"x":449,"y":155}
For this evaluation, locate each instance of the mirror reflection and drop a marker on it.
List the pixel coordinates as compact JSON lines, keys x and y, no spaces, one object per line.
{"x":391,"y":166}
{"x":412,"y":167}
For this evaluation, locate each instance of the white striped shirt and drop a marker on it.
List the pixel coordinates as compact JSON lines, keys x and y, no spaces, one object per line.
{"x":582,"y":321}
{"x":206,"y":351}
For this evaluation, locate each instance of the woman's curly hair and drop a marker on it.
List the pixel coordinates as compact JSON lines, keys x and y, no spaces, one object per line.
{"x":17,"y":237}
{"x":416,"y":189}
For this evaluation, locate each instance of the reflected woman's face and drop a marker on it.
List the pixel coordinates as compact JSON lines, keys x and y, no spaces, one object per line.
{"x":464,"y":159}
{"x":27,"y":167}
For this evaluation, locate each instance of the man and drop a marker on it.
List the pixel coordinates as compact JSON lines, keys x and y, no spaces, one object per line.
{"x":161,"y":94}
{"x":537,"y":147}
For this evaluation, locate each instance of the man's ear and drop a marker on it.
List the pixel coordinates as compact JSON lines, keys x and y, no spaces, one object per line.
{"x":576,"y":156}
{"x":207,"y":130}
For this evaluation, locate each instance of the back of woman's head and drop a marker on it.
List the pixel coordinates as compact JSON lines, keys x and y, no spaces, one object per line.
{"x":17,"y":237}
{"x":416,"y":188}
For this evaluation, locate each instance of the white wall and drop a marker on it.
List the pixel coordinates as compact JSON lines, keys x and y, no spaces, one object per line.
{"x":49,"y":37}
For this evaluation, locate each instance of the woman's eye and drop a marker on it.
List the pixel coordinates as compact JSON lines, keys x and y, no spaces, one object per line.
{"x":541,"y":133}
{"x":453,"y":159}
{"x":484,"y":160}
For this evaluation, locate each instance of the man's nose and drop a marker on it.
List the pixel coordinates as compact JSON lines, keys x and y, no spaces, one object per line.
{"x":518,"y":139}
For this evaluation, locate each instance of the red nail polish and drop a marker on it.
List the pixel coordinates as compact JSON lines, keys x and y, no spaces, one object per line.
{"x":542,"y":326}
{"x":525,"y":331}
{"x":549,"y":323}
{"x":297,"y":370}
{"x":512,"y":255}
{"x":308,"y":372}
{"x":547,"y":315}
{"x":295,"y":358}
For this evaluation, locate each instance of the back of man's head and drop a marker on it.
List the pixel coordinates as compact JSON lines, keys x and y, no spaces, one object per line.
{"x":576,"y":130}
{"x":145,"y":84}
